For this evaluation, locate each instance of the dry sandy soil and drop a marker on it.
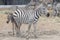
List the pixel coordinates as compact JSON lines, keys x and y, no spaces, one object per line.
{"x":47,"y":29}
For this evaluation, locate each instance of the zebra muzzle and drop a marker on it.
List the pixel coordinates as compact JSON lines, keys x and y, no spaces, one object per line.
{"x":48,"y":15}
{"x":7,"y":21}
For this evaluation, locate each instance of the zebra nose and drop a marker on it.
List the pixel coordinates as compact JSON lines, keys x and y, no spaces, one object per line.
{"x":7,"y":21}
{"x":48,"y":15}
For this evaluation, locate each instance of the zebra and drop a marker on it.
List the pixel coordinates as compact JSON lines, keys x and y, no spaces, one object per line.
{"x":54,"y":9}
{"x":58,"y":9}
{"x":10,"y":18}
{"x":24,"y":16}
{"x":20,"y":17}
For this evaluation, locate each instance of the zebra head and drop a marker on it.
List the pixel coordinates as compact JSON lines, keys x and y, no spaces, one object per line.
{"x":41,"y":9}
{"x":9,"y":17}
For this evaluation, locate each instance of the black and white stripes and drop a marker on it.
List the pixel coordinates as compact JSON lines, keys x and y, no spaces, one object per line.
{"x":26,"y":16}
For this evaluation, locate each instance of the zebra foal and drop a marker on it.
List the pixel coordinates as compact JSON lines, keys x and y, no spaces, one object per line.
{"x":10,"y":18}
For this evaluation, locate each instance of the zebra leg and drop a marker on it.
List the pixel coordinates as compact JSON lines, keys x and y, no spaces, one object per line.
{"x":13,"y":29}
{"x":28,"y":31}
{"x":18,"y":30}
{"x":16,"y":27}
{"x":29,"y":28}
{"x":34,"y":25}
{"x":19,"y":26}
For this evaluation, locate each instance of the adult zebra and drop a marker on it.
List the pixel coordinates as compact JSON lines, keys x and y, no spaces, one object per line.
{"x":25,"y":16}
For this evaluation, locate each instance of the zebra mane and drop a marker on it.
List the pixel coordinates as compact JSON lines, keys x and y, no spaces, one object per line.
{"x":37,"y":7}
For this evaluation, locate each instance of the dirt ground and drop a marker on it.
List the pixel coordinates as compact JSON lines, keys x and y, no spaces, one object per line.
{"x":46,"y":29}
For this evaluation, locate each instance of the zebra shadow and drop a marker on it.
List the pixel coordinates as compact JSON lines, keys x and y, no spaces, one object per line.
{"x":31,"y":35}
